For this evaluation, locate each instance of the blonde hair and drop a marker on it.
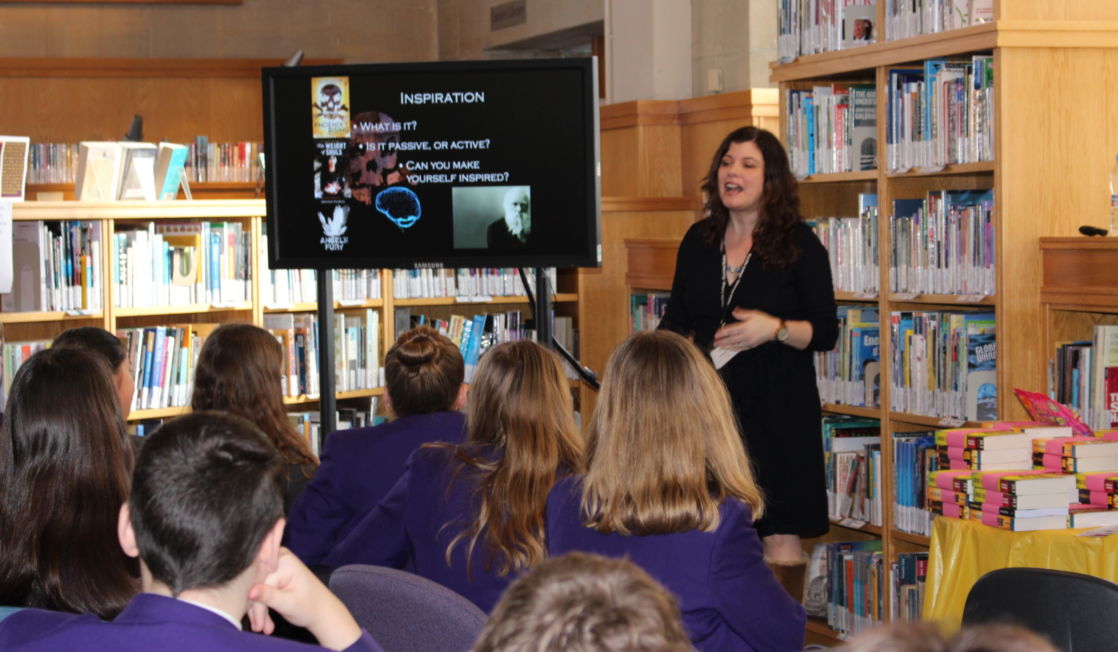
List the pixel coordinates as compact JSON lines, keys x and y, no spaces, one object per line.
{"x":519,"y":408}
{"x":663,"y":447}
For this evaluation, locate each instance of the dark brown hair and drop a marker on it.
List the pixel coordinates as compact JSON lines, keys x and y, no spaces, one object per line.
{"x":581,"y":602}
{"x":208,"y":488}
{"x":65,"y":466}
{"x":520,"y":433}
{"x":98,"y":340}
{"x":423,"y":372}
{"x":239,"y":371}
{"x":774,"y":236}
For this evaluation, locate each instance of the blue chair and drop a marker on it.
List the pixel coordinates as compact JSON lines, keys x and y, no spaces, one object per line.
{"x":7,"y":611}
{"x":405,"y":612}
{"x":1076,"y":612}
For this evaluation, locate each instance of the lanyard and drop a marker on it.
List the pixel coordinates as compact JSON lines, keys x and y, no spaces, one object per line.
{"x":725,"y":298}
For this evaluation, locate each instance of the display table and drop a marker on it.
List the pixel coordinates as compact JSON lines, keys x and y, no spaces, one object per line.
{"x":962,"y":551}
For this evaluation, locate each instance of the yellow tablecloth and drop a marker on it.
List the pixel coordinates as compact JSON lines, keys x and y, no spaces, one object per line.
{"x":962,"y":551}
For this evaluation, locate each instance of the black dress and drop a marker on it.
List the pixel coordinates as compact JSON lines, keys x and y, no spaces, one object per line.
{"x":773,"y":385}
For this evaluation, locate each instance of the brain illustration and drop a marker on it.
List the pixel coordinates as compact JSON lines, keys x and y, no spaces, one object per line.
{"x":400,"y":205}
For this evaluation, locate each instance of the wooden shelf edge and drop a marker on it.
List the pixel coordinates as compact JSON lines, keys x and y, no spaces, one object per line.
{"x":867,"y":528}
{"x":853,"y":410}
{"x":33,"y":317}
{"x":916,"y":539}
{"x":189,"y":309}
{"x":885,"y":53}
{"x":303,"y":399}
{"x":562,"y":297}
{"x":978,"y":167}
{"x":856,"y":297}
{"x":924,"y":420}
{"x":953,"y":300}
{"x":841,"y":177}
{"x":158,"y":413}
{"x":196,"y":209}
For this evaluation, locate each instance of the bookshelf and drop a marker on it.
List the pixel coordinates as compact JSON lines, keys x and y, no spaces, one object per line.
{"x":1055,"y":65}
{"x":249,"y":214}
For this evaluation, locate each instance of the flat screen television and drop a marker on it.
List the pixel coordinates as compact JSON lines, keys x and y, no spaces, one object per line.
{"x":447,"y":164}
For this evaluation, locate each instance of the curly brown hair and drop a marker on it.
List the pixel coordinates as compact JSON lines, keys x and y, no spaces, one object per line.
{"x":774,"y":237}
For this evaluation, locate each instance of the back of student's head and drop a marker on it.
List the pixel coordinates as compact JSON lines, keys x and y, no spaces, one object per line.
{"x":423,"y":372}
{"x":520,"y":409}
{"x":585,"y":603}
{"x":999,"y":637}
{"x":207,"y":489}
{"x":239,"y":371}
{"x":663,"y":447}
{"x":64,"y":471}
{"x":104,"y":343}
{"x":92,"y":338}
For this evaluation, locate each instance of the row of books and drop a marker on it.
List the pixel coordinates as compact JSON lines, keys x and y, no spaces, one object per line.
{"x":201,"y":161}
{"x":12,"y":355}
{"x":908,"y":18}
{"x":852,"y":247}
{"x":646,"y":309}
{"x":177,"y":263}
{"x":1026,"y":476}
{"x":832,"y":128}
{"x":52,"y":163}
{"x":1084,"y":375}
{"x":814,"y":26}
{"x":357,"y":351}
{"x":224,"y":162}
{"x":944,"y":364}
{"x":163,"y":361}
{"x":850,"y":373}
{"x":943,"y":243}
{"x":478,"y":333}
{"x":471,"y":282}
{"x":940,"y":114}
{"x":845,"y":585}
{"x":908,"y":576}
{"x":914,"y":460}
{"x":280,"y":288}
{"x":852,"y":462}
{"x":56,"y":266}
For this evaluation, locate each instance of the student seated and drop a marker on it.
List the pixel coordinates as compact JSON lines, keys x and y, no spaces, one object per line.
{"x":471,"y":516}
{"x":584,"y":603}
{"x":669,"y":486}
{"x":102,"y":342}
{"x":65,"y":467}
{"x":205,"y":518}
{"x":423,"y":373}
{"x":238,"y":371}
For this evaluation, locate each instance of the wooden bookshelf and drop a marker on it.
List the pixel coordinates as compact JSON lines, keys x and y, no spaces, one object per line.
{"x":1055,"y":68}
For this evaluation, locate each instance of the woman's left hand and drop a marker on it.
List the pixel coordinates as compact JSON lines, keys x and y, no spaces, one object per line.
{"x":752,"y":329}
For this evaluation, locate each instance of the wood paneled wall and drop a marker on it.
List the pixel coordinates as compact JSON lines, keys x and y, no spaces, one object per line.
{"x":69,"y":100}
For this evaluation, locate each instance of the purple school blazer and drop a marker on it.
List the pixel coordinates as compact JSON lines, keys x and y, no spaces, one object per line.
{"x":730,"y":600}
{"x":406,"y":530}
{"x":358,"y":468}
{"x":149,"y":622}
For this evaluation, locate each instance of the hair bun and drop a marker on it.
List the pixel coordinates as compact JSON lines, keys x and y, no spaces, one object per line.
{"x":419,"y":349}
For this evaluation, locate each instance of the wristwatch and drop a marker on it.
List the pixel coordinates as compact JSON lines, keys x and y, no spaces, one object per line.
{"x":781,"y":334}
